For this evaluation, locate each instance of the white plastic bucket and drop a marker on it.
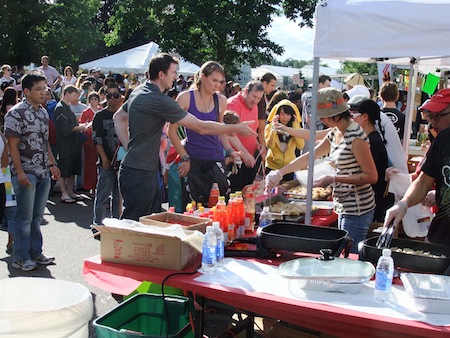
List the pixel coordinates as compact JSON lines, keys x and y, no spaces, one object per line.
{"x":43,"y":307}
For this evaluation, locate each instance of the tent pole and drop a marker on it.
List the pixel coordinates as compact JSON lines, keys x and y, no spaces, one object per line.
{"x":410,"y":109}
{"x":312,"y":138}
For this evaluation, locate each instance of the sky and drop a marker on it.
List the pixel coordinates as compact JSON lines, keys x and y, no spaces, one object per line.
{"x":298,"y":42}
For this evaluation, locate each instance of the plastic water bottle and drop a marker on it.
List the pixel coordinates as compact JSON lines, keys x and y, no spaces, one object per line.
{"x":220,"y":248}
{"x":265,"y":218}
{"x":209,"y":256}
{"x":384,"y":275}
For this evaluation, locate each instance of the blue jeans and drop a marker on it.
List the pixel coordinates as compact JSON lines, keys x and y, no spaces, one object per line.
{"x":107,"y":197}
{"x":31,"y":202}
{"x":357,"y":227}
{"x":8,"y":219}
{"x":140,"y":192}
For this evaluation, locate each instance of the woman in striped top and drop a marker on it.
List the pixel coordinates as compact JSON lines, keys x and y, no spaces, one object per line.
{"x":348,"y":147}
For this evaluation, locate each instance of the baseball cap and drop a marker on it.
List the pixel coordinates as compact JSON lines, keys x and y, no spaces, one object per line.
{"x":371,"y":108}
{"x":358,"y":90}
{"x":330,"y":102}
{"x":355,"y":101}
{"x":95,"y":69}
{"x":438,"y":101}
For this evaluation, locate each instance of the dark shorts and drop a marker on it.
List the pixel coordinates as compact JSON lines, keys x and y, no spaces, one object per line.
{"x":69,"y":166}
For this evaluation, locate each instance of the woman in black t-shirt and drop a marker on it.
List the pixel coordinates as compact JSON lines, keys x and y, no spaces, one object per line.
{"x":367,"y":113}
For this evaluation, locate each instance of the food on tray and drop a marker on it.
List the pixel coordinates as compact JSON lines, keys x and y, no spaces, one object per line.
{"x":317,"y":193}
{"x":289,"y":209}
{"x":416,"y":252}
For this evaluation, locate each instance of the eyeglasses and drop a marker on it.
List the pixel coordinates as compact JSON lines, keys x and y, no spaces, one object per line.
{"x":435,"y":117}
{"x":109,"y":96}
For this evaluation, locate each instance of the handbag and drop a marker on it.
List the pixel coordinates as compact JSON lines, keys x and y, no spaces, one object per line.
{"x":199,"y":185}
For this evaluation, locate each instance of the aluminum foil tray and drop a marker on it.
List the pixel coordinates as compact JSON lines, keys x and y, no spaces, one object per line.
{"x":338,"y":275}
{"x":431,"y":293}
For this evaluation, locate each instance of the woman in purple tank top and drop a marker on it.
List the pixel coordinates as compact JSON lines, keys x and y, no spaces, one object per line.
{"x":201,"y":154}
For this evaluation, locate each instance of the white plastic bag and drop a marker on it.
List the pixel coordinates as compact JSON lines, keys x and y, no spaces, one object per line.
{"x":417,"y":219}
{"x":320,"y":169}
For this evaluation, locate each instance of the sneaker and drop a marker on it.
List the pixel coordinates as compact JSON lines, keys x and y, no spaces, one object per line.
{"x":26,"y":265}
{"x":43,"y":260}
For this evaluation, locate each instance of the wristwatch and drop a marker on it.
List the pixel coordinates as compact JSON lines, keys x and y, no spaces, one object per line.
{"x":186,"y":158}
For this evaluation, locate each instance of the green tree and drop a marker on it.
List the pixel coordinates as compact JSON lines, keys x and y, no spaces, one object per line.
{"x":62,"y":29}
{"x":359,"y":67}
{"x":229,"y":31}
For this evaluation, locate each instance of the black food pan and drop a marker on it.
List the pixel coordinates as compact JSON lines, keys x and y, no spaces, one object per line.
{"x":294,"y":237}
{"x":413,"y":262}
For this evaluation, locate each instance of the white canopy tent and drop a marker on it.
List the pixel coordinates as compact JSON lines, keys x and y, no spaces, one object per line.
{"x":135,"y":60}
{"x":390,"y":31}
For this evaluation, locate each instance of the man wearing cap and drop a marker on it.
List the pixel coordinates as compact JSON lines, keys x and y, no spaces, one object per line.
{"x":348,"y":147}
{"x":435,"y":170}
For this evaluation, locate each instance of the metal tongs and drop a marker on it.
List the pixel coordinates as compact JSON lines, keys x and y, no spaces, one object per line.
{"x":385,"y":239}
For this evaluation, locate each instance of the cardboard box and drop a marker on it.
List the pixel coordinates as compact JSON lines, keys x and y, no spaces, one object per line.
{"x":167,"y":218}
{"x":139,"y":247}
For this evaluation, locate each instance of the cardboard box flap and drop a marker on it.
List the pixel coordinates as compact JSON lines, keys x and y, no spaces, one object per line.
{"x":193,"y":238}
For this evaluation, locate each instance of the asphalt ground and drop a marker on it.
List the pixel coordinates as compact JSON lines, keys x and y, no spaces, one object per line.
{"x":67,"y":236}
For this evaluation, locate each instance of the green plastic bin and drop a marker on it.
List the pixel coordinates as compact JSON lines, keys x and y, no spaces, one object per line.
{"x":150,"y":287}
{"x":144,"y":315}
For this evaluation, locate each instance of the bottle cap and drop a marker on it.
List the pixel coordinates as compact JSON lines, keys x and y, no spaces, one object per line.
{"x":232,"y":195}
{"x":222,"y":198}
{"x":266,"y":208}
{"x":386,"y":252}
{"x":216,"y":224}
{"x":209,"y":228}
{"x":239,"y":193}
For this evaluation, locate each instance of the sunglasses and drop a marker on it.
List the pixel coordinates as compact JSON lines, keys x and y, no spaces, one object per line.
{"x":354,"y":113}
{"x":112,"y":95}
{"x":435,"y":117}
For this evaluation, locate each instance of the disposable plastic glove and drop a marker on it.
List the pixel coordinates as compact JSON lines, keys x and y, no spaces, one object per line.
{"x":272,"y":179}
{"x":395,"y":214}
{"x":324,"y":181}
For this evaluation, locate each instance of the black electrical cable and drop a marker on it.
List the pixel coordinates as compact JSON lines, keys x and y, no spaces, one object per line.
{"x":164,"y":295}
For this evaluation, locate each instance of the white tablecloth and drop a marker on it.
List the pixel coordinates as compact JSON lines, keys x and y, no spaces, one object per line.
{"x":259,"y":277}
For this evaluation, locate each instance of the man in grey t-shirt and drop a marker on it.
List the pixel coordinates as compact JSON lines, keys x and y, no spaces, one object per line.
{"x":139,"y":125}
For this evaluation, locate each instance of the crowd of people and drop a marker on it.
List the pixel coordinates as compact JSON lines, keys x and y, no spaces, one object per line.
{"x":110,"y":136}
